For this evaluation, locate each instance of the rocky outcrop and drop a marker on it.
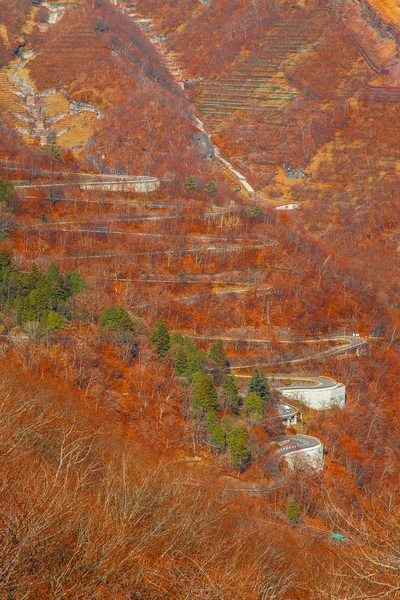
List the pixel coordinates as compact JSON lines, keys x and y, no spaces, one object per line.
{"x":293,"y":172}
{"x":35,"y":122}
{"x":202,"y":142}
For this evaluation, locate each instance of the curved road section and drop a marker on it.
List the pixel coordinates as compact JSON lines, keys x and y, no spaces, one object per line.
{"x":354,"y":342}
{"x":319,"y":393}
{"x":300,"y":451}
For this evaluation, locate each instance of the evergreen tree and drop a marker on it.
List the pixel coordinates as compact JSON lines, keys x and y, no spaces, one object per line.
{"x":59,"y":292}
{"x":190,"y":183}
{"x":254,"y":407}
{"x":6,"y":189}
{"x":53,"y":321}
{"x":177,"y":338}
{"x":116,"y":319}
{"x":40,"y":297}
{"x":53,"y":274}
{"x":217,"y":354}
{"x":259,"y":385}
{"x":255,"y":213}
{"x":238,"y":444}
{"x":160,"y":337}
{"x":205,"y":394}
{"x":211,"y":188}
{"x":75,"y":282}
{"x":181,"y":362}
{"x":215,"y":431}
{"x":293,"y":512}
{"x":194,"y":362}
{"x":230,"y":392}
{"x":5,"y":259}
{"x":26,"y":313}
{"x":30,"y":280}
{"x":116,"y":327}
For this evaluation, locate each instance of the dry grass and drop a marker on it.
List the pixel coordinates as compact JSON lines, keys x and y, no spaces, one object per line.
{"x":81,"y":128}
{"x":56,"y":104}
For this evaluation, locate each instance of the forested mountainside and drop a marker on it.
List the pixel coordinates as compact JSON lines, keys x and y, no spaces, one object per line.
{"x":199,"y":296}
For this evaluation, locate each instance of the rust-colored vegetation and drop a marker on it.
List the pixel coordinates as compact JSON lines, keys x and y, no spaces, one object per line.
{"x":152,"y":470}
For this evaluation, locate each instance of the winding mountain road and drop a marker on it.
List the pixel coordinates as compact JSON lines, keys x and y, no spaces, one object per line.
{"x":353,"y":343}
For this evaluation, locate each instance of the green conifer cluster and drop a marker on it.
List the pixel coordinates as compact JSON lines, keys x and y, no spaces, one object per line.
{"x":36,"y":296}
{"x":6,"y":189}
{"x":214,"y":390}
{"x":187,"y":358}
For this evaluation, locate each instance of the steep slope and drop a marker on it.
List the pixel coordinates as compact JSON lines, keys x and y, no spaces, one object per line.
{"x":137,"y":316}
{"x":67,"y":87}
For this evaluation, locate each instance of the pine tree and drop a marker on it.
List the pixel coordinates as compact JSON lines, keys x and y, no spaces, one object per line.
{"x":115,"y":319}
{"x":75,"y":282}
{"x":53,"y":274}
{"x":190,"y":183}
{"x":30,"y":280}
{"x":53,"y":321}
{"x":293,"y":512}
{"x":194,"y":362}
{"x":177,"y":338}
{"x":254,"y":406}
{"x":205,"y":394}
{"x":181,"y":362}
{"x":217,"y":354}
{"x":160,"y":337}
{"x":40,"y":297}
{"x":5,"y":259}
{"x":215,"y":431}
{"x":59,"y":293}
{"x":230,"y":392}
{"x":6,"y":189}
{"x":238,"y":444}
{"x":259,"y":385}
{"x":211,"y":188}
{"x":255,"y":213}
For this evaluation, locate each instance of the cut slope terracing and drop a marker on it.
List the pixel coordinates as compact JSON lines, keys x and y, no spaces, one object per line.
{"x":40,"y":113}
{"x":255,"y":82}
{"x":158,"y":39}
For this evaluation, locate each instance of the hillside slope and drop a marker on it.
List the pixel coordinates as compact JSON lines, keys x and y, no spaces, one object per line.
{"x":150,"y":328}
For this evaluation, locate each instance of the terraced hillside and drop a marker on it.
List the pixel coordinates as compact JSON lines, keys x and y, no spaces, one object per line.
{"x":160,"y":42}
{"x":67,"y":85}
{"x":32,"y":97}
{"x":256,"y":82}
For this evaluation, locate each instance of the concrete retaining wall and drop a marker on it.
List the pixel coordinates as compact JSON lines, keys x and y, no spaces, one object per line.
{"x":307,"y":458}
{"x":318,"y":398}
{"x":141,"y":186}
